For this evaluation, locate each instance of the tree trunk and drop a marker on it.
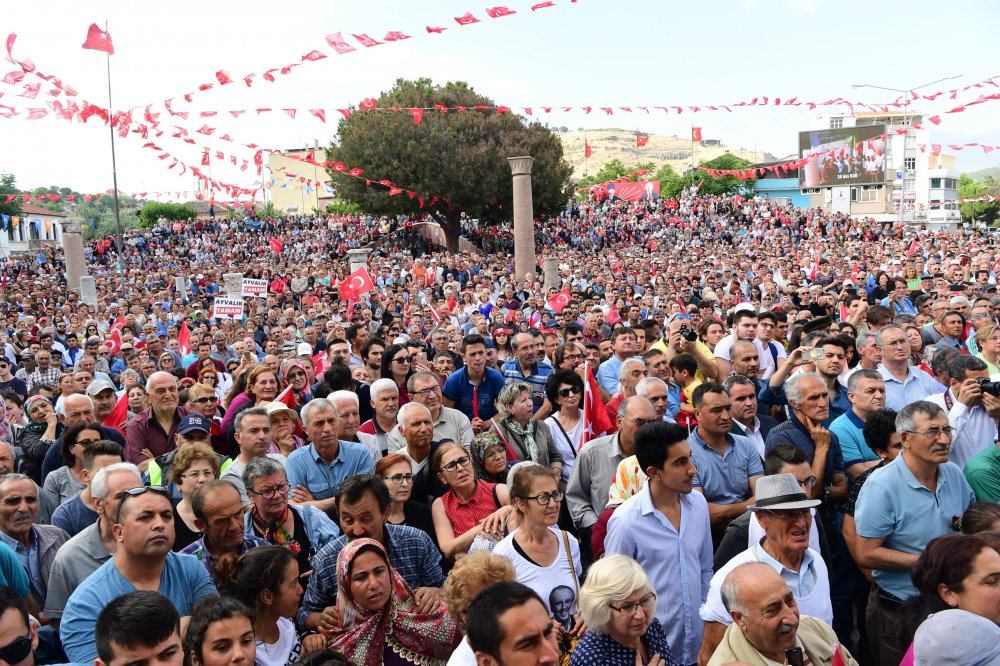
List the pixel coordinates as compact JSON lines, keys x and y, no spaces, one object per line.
{"x":451,"y":224}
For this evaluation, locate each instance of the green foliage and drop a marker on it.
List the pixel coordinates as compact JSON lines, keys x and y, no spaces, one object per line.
{"x":725,"y":184}
{"x":268,"y":210}
{"x":104,"y":223}
{"x":8,"y":185}
{"x":461,"y":157}
{"x":979,"y":211}
{"x":340,"y":207}
{"x":153,"y":211}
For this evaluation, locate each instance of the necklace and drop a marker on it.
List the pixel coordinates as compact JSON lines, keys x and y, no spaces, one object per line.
{"x":276,"y":532}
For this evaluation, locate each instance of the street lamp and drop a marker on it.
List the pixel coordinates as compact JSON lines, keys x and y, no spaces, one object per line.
{"x":908,"y":92}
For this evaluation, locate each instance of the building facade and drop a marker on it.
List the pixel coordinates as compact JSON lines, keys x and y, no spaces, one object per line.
{"x":30,"y":230}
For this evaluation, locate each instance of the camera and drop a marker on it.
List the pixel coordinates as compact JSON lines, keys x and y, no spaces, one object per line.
{"x":688,"y":334}
{"x":987,"y":386}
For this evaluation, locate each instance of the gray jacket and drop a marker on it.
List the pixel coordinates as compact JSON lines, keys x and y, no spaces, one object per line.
{"x":548,"y":454}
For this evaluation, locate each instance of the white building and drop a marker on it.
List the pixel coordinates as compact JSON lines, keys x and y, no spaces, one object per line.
{"x":34,"y":227}
{"x":920,"y":187}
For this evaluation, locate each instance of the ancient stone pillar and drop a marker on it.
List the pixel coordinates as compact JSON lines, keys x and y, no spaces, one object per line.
{"x":233,"y":284}
{"x":551,"y":273}
{"x":72,"y":240}
{"x":524,"y":225}
{"x":358,"y":257}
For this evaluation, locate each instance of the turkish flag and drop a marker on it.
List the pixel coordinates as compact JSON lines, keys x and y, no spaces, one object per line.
{"x":99,"y":40}
{"x":559,"y":301}
{"x":696,"y":134}
{"x":497,"y":12}
{"x":357,"y":283}
{"x":275,"y":245}
{"x":815,"y":269}
{"x":913,"y":248}
{"x":119,"y":414}
{"x":418,"y":115}
{"x":641,"y":140}
{"x":838,"y":657}
{"x":118,"y":323}
{"x":466,"y":19}
{"x":321,"y":362}
{"x":338,"y":44}
{"x":935,"y":149}
{"x":595,"y":416}
{"x":184,"y":338}
{"x":114,"y":341}
{"x":587,"y":152}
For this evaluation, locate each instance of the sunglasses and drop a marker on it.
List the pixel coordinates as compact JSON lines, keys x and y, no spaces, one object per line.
{"x":135,"y":492}
{"x":16,"y":651}
{"x":567,"y":392}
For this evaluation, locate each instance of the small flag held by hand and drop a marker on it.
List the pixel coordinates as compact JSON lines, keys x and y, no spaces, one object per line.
{"x":99,"y":40}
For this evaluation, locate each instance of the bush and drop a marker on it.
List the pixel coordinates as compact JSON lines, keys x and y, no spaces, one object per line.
{"x":151,"y":212}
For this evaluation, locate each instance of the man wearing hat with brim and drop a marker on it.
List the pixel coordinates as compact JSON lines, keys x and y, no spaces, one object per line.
{"x":785,"y":513}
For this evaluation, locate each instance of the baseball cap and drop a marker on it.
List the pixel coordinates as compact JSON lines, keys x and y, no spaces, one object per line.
{"x":99,"y":385}
{"x":193,"y":422}
{"x":27,"y":354}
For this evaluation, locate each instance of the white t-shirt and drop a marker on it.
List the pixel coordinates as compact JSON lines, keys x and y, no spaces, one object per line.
{"x":463,"y":655}
{"x":287,"y":650}
{"x":566,"y":449}
{"x":725,"y":346}
{"x":555,"y":584}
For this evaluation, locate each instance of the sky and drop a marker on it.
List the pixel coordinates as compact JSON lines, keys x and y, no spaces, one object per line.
{"x":588,"y":53}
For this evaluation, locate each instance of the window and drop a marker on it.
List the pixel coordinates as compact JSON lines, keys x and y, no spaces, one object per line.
{"x":836,"y":123}
{"x":935,"y":183}
{"x":911,"y":141}
{"x":910,"y":163}
{"x":909,"y":185}
{"x":855,"y":193}
{"x":950,"y":184}
{"x":868,"y":196}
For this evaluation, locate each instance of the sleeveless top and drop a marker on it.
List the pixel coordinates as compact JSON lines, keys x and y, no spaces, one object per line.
{"x":466,"y":515}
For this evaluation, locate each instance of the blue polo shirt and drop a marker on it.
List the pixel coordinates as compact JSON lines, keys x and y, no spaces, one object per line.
{"x":917,"y":386}
{"x":307,"y":468}
{"x":850,"y":431}
{"x":540,"y":371}
{"x":894,"y":505}
{"x":725,"y":479}
{"x":459,"y":390}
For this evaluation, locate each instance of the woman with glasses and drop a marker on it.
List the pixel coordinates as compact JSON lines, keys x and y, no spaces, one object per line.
{"x":564,"y":390}
{"x":210,"y":377}
{"x":294,"y":373}
{"x":168,"y":364}
{"x":545,"y":558}
{"x":193,"y":466}
{"x":302,"y":529}
{"x":988,"y":341}
{"x":397,"y":365}
{"x":465,"y":511}
{"x":396,"y":471}
{"x":618,"y":605}
{"x":524,"y":438}
{"x":65,"y":482}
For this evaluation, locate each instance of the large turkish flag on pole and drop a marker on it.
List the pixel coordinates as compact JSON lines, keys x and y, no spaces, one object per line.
{"x":357,"y":283}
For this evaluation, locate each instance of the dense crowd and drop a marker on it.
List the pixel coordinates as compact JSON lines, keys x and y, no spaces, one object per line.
{"x":745,"y":433}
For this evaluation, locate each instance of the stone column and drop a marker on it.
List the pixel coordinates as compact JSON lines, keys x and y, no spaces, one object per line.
{"x":233,"y":284}
{"x":88,"y":291}
{"x":551,"y":273}
{"x":72,"y":241}
{"x":358,"y":257}
{"x":524,"y":225}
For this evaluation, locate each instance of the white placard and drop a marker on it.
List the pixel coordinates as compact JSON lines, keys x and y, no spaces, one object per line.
{"x":253,"y":287}
{"x":227,"y":307}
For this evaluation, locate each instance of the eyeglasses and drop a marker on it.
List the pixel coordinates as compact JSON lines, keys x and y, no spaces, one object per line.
{"x":647,"y":603}
{"x":296,"y":375}
{"x":639,"y":422}
{"x":16,"y":651}
{"x":934,"y":433}
{"x":427,"y":391}
{"x":790,"y":515}
{"x":401,"y":359}
{"x":203,"y":474}
{"x":399,"y":479}
{"x":135,"y":492}
{"x":271,"y":493}
{"x":455,"y":464}
{"x":201,"y":401}
{"x":567,"y":392}
{"x":807,"y":483}
{"x":545,"y":498}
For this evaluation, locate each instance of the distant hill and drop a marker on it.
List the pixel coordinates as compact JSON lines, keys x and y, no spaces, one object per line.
{"x":609,"y":144}
{"x":983,"y":174}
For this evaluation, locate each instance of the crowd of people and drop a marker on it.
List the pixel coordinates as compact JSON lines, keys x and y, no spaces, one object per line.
{"x":753,"y":434}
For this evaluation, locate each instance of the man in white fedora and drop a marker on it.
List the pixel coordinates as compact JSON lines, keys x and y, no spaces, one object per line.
{"x":784,"y":512}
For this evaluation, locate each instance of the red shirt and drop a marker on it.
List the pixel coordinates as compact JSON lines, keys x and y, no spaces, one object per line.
{"x":466,"y":515}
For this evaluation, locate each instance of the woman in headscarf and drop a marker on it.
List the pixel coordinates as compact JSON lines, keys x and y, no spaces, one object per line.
{"x":36,"y":437}
{"x":489,"y":457}
{"x":381,"y":624}
{"x":295,"y":373}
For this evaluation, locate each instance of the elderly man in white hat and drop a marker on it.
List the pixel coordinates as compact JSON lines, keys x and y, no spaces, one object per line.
{"x":784,"y":512}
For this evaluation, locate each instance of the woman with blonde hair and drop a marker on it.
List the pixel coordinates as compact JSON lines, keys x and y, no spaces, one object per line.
{"x":471,"y":575}
{"x":988,"y":341}
{"x":619,"y":606}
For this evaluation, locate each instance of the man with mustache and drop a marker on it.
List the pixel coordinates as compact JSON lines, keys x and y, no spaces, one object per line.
{"x":35,"y":545}
{"x":901,"y":508}
{"x":766,"y":622}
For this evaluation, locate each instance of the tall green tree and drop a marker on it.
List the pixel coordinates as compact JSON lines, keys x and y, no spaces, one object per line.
{"x":153,"y":211}
{"x":979,"y":211}
{"x":8,"y":185}
{"x":458,"y":156}
{"x":724,"y":184}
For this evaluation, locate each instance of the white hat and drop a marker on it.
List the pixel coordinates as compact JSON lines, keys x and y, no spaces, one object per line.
{"x":780,"y":491}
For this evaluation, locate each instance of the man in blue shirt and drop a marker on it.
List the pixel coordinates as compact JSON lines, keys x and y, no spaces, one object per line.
{"x":901,"y":508}
{"x":623,"y":343}
{"x":904,"y":384}
{"x":364,"y":505}
{"x":866,"y":389}
{"x":474,"y":388}
{"x":218,"y":513}
{"x":666,"y":528}
{"x":144,"y":532}
{"x":315,"y":471}
{"x":527,"y":369}
{"x":728,"y":465}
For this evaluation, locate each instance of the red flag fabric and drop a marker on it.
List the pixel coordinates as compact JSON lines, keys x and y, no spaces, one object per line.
{"x":844,"y":313}
{"x":118,"y":415}
{"x":466,"y":19}
{"x":184,"y":338}
{"x":114,"y":341}
{"x":287,"y":397}
{"x":99,"y":40}
{"x":913,"y":248}
{"x":595,"y":416}
{"x":641,"y":140}
{"x":696,"y":134}
{"x":357,"y":283}
{"x":276,"y":245}
{"x":838,"y":657}
{"x":614,"y":316}
{"x":418,"y":115}
{"x":587,"y":152}
{"x":337,"y":43}
{"x":321,"y":362}
{"x":815,"y":269}
{"x":558,"y":301}
{"x":497,"y":12}
{"x":935,"y":149}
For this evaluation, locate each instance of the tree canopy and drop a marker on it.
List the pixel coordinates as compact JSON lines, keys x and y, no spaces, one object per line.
{"x":458,"y":156}
{"x":8,"y":185}
{"x":979,"y":211}
{"x":153,"y":211}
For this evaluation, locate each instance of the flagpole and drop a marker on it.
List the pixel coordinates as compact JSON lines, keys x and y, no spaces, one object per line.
{"x":114,"y":175}
{"x":692,"y":153}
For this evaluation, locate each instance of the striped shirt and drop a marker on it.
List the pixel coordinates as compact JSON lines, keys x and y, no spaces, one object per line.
{"x":540,"y":371}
